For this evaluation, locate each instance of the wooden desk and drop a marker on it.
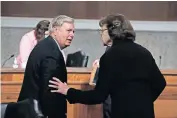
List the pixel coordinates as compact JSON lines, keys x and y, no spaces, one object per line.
{"x":165,"y":106}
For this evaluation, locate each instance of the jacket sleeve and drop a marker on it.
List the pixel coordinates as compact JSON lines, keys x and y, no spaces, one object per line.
{"x":101,"y":91}
{"x":158,"y":82}
{"x":48,"y":68}
{"x":50,"y":100}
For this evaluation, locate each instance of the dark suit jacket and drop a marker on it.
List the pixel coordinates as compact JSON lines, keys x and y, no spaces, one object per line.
{"x":107,"y":102}
{"x":45,"y":61}
{"x":129,"y":74}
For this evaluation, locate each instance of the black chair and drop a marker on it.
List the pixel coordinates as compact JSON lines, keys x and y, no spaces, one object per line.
{"x":3,"y":109}
{"x":77,"y":59}
{"x":28,"y":108}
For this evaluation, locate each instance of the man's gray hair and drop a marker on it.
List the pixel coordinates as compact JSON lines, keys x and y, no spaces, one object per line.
{"x":59,"y":20}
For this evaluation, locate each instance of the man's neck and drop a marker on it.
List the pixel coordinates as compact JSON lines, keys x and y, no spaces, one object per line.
{"x":59,"y":46}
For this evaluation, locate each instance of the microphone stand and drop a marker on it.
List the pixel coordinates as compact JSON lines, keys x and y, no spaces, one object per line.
{"x":7,"y":60}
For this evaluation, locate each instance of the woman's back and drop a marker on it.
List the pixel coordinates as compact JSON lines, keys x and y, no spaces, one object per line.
{"x":131,"y":90}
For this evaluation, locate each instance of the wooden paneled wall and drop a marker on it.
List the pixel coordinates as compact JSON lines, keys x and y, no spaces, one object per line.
{"x":165,"y":105}
{"x":134,"y":10}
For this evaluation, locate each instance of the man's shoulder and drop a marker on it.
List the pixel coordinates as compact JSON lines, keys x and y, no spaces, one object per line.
{"x":46,"y":41}
{"x":45,"y":44}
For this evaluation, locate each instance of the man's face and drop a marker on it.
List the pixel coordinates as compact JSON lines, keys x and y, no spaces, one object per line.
{"x":64,"y":34}
{"x":104,"y":35}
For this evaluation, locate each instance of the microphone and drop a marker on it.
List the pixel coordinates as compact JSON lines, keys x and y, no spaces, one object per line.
{"x":160,"y":61}
{"x":7,"y":60}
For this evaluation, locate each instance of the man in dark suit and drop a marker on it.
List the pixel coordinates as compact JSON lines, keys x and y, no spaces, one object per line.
{"x":45,"y":61}
{"x":128,"y":73}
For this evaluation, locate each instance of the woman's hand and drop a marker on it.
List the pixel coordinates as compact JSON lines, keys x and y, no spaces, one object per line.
{"x":96,"y":63}
{"x":60,"y":86}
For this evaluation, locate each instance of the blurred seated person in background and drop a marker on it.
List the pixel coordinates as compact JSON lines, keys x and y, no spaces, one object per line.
{"x":29,"y":41}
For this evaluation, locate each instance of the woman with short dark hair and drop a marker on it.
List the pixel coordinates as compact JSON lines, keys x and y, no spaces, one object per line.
{"x":119,"y":28}
{"x":128,"y":73}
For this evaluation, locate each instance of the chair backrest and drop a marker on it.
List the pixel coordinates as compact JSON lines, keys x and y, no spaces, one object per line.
{"x":27,"y":108}
{"x":77,"y":59}
{"x":3,"y":109}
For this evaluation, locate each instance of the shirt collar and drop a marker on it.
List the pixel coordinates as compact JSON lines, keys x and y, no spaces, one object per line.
{"x":57,"y":44}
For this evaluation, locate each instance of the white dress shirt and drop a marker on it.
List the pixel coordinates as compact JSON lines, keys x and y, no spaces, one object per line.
{"x":61,"y":51}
